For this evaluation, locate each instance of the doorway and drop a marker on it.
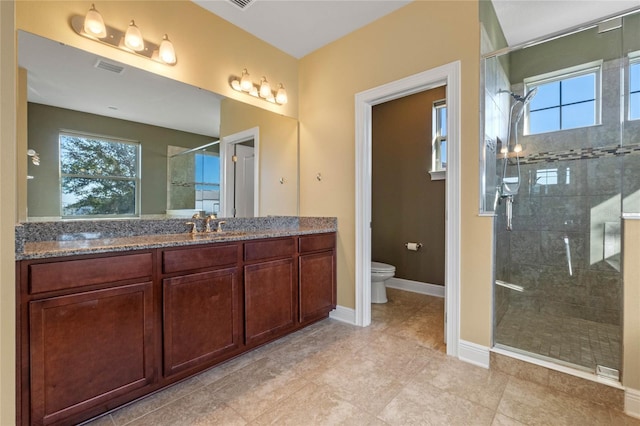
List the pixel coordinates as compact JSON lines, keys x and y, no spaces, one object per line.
{"x":240,"y":172}
{"x":449,"y":76}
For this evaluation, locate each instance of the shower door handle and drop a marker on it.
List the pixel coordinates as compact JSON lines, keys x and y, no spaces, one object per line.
{"x":567,"y":248}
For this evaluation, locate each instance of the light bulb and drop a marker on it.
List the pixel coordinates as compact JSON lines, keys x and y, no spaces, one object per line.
{"x":235,"y":84}
{"x":253,"y":91}
{"x":245,"y":81}
{"x":166,"y":51}
{"x":133,"y":38}
{"x":265,"y":88}
{"x":94,"y":24}
{"x":504,"y":150}
{"x":281,"y":96}
{"x":517,"y":148}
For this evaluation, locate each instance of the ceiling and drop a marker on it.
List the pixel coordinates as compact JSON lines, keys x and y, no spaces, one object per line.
{"x":298,"y":27}
{"x":527,"y":20}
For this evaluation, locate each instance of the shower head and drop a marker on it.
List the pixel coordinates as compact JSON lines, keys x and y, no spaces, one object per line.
{"x":526,"y":98}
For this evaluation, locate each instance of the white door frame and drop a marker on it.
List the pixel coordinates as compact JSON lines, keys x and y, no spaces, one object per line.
{"x":226,"y":169}
{"x":448,"y":75}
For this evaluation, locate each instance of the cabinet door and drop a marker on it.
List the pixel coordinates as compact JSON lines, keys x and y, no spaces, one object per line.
{"x":88,"y":348}
{"x":201,"y":318}
{"x":270,"y":297}
{"x":317,"y":285}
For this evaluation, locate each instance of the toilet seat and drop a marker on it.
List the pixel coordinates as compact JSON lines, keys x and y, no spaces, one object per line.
{"x":382,"y":267}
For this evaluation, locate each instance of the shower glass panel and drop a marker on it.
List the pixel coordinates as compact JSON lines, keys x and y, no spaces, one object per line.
{"x":562,"y":163}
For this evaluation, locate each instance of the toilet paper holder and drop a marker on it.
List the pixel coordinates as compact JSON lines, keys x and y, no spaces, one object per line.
{"x":413,"y":246}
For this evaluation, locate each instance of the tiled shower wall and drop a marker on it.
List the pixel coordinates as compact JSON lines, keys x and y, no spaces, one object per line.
{"x":570,"y":190}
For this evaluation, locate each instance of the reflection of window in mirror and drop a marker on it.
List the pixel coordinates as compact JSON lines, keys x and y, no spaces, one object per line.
{"x":99,"y":176}
{"x":439,"y":141}
{"x":207,"y":182}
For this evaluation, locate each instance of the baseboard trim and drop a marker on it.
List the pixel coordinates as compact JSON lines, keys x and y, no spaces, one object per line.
{"x":473,"y":353}
{"x":416,"y":287}
{"x":341,"y":313}
{"x":632,"y":402}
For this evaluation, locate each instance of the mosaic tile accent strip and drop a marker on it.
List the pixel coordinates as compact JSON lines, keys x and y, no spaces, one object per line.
{"x":581,"y":154}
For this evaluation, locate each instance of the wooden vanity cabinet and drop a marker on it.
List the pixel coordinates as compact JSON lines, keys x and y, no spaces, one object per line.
{"x":317,"y":276}
{"x":202,"y":312}
{"x":270,"y":289}
{"x":99,"y":331}
{"x":88,"y":325}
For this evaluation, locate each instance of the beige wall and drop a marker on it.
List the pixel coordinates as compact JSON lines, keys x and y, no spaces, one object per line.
{"x":7,"y":212}
{"x":418,"y":37}
{"x":631,"y":315}
{"x":278,"y":144}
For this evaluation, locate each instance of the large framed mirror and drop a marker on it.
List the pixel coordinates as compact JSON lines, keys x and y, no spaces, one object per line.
{"x":108,"y":108}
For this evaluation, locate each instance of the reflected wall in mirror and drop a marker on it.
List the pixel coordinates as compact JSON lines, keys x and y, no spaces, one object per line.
{"x":69,"y":89}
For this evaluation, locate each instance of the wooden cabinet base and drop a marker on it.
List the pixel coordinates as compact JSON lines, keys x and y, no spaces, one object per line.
{"x":99,"y":331}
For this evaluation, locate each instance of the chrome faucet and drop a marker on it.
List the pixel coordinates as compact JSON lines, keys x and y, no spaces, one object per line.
{"x":194,"y":228}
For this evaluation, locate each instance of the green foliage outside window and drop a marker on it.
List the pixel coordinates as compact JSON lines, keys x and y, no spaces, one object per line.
{"x":98,"y":177}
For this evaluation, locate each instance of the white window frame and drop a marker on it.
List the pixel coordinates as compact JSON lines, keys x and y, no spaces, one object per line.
{"x":437,"y":171}
{"x":594,"y":67}
{"x":137,"y":179}
{"x":634,"y":59}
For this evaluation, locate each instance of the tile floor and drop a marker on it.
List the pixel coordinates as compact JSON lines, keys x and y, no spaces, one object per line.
{"x":394,"y":372}
{"x":574,"y":340}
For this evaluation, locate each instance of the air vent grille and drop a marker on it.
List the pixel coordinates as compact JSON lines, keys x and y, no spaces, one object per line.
{"x":242,"y":4}
{"x":108,"y":66}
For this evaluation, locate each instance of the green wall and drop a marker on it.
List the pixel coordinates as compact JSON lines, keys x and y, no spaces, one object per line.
{"x":44,"y":124}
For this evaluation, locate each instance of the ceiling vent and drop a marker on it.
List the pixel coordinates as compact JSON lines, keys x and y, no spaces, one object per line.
{"x":242,"y":4}
{"x":108,"y":66}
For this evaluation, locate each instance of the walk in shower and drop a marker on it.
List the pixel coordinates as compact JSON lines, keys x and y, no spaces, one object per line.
{"x":561,"y":165}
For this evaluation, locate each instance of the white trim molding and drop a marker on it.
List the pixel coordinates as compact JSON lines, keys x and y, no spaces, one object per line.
{"x":226,"y":172}
{"x":632,"y":402}
{"x":474,"y":354}
{"x":415,"y":287}
{"x":343,"y":314}
{"x":448,"y":75}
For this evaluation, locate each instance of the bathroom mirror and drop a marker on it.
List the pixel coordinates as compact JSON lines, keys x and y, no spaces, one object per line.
{"x":72,"y":90}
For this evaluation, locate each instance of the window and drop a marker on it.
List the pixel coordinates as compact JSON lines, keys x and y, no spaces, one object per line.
{"x":207,"y":182}
{"x":565,"y":99}
{"x":634,"y":87}
{"x":439,"y":144}
{"x":98,"y":176}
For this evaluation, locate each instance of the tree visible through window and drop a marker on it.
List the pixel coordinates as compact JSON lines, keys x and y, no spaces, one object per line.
{"x":98,"y":176}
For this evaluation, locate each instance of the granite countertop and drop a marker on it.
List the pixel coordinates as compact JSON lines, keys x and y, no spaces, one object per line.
{"x":95,"y":241}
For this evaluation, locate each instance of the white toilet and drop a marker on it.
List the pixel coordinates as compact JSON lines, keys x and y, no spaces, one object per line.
{"x":380,"y":272}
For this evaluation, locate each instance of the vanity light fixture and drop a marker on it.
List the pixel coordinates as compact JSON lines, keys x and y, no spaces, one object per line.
{"x":92,"y":26}
{"x":262,"y":90}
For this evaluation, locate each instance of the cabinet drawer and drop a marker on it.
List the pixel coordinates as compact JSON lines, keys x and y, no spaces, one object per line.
{"x":53,"y":276}
{"x":201,"y":257}
{"x":309,"y":243}
{"x":269,"y":249}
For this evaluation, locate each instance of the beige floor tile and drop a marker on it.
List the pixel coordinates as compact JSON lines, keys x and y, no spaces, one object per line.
{"x":316,"y":405}
{"x":618,"y":418}
{"x":201,"y":407}
{"x":255,"y":388}
{"x":153,"y":402}
{"x":534,"y":404}
{"x":477,"y":384}
{"x":428,"y":405}
{"x":105,"y":420}
{"x":362,"y":382}
{"x":502,"y":420}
